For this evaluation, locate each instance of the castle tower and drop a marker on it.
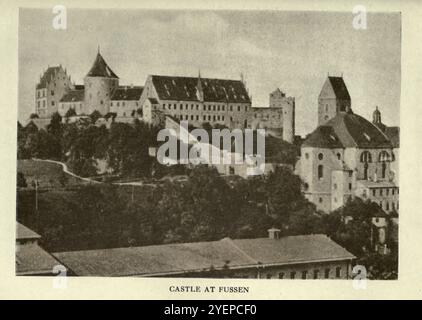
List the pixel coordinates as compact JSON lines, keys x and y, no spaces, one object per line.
{"x":289,"y":120}
{"x":100,"y":83}
{"x":333,"y":98}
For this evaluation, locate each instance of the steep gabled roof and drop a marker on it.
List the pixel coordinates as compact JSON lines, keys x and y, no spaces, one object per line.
{"x":351,"y":130}
{"x":46,"y":77}
{"x":339,"y":87}
{"x":127,"y":93}
{"x":101,"y":69}
{"x":214,"y":90}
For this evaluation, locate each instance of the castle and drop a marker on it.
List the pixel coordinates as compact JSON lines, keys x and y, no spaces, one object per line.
{"x":348,"y":156}
{"x":195,"y":99}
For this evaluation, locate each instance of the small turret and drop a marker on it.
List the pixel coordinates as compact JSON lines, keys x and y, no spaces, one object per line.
{"x":199,"y":90}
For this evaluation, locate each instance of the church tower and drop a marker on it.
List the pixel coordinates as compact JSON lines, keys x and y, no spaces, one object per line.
{"x":333,"y":98}
{"x":100,"y":82}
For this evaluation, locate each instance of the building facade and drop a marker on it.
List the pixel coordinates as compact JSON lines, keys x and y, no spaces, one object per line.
{"x":52,"y":86}
{"x":199,"y":100}
{"x":278,"y":119}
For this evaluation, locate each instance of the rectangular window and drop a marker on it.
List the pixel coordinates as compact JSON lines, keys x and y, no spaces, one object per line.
{"x":281,"y":275}
{"x":52,"y":92}
{"x":380,"y":192}
{"x":269,"y":276}
{"x":304,"y":274}
{"x":338,"y":272}
{"x":350,"y":186}
{"x":327,"y":273}
{"x":374,"y":192}
{"x":316,"y":274}
{"x":292,"y":275}
{"x":52,"y":103}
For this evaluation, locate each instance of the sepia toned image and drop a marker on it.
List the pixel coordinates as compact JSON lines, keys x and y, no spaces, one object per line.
{"x":208,"y":144}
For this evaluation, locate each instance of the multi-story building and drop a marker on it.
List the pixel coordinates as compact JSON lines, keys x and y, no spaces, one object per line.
{"x":275,"y":257}
{"x":73,"y":99}
{"x":198,"y":100}
{"x":347,"y":155}
{"x":125,"y":101}
{"x":52,"y":86}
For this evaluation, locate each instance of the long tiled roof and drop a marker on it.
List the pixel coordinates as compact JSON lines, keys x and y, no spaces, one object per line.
{"x":73,"y":96}
{"x":127,"y":93}
{"x":214,"y":90}
{"x":23,"y":232}
{"x":339,"y":87}
{"x":101,"y":69}
{"x":347,"y":130}
{"x":47,"y":76}
{"x":32,"y":259}
{"x":201,"y":256}
{"x":293,"y":249}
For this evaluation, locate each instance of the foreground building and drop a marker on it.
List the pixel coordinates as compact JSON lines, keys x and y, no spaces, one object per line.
{"x":347,"y":155}
{"x":31,"y":259}
{"x":293,"y":257}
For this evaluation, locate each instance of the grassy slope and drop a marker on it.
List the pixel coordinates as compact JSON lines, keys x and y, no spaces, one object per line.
{"x":49,"y":175}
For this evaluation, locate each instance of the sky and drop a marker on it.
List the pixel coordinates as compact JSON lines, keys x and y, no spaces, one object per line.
{"x":293,"y":51}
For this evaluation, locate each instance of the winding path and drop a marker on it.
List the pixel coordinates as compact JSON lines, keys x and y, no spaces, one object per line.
{"x":66,"y":170}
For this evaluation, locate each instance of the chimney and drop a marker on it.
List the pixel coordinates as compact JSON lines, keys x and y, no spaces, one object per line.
{"x":274,"y":233}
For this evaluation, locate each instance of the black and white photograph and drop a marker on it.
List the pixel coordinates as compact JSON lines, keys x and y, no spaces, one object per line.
{"x":222,"y":144}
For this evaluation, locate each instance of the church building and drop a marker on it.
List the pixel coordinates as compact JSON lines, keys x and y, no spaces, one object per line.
{"x":347,"y":155}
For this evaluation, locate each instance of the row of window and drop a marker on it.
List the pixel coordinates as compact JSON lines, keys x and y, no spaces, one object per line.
{"x":43,"y":103}
{"x":117,"y":104}
{"x":384,"y":156}
{"x":387,"y":205}
{"x":214,"y":107}
{"x":316,"y":274}
{"x":204,"y":117}
{"x":386,"y":191}
{"x":321,"y":156}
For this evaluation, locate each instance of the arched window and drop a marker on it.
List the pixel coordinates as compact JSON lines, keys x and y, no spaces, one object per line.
{"x":339,"y":156}
{"x":383,"y":170}
{"x":365,"y":157}
{"x":365,"y":171}
{"x":384,"y":156}
{"x":320,"y":172}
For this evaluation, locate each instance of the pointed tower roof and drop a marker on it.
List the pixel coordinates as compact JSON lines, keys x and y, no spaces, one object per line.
{"x":100,"y":68}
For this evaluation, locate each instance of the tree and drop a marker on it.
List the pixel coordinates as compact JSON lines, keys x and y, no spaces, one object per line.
{"x":283,"y":193}
{"x":55,"y":127}
{"x":95,"y":115}
{"x":21,"y":181}
{"x":70,"y":113}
